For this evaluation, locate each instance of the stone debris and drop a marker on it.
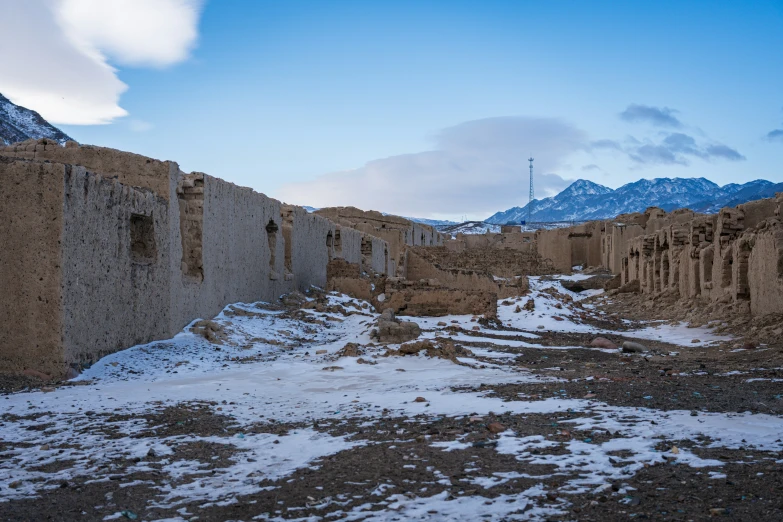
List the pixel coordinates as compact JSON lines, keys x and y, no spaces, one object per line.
{"x":602,"y":342}
{"x":633,"y":347}
{"x":442,"y":349}
{"x":210,"y":330}
{"x":393,"y":331}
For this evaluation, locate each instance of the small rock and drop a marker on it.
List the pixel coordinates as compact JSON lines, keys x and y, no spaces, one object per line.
{"x":540,"y":327}
{"x":695,"y":341}
{"x":72,"y":373}
{"x":749,"y":346}
{"x":496,"y":427}
{"x":332,"y":368}
{"x":517,"y":309}
{"x":716,"y":512}
{"x":419,"y":399}
{"x":45,"y":447}
{"x":675,"y":450}
{"x":320,"y":352}
{"x":476,"y":328}
{"x":603,"y":342}
{"x":557,"y":318}
{"x":15,"y":484}
{"x":442,"y":323}
{"x":476,"y":419}
{"x":47,"y":389}
{"x":590,"y":396}
{"x":632,"y":347}
{"x":530,"y":305}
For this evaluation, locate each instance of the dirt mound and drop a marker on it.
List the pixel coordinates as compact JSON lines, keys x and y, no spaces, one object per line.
{"x":442,"y":350}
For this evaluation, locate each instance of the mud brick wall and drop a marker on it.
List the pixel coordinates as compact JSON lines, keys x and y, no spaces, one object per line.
{"x":424,"y":299}
{"x":115,"y":270}
{"x":734,"y":256}
{"x":127,"y":168}
{"x":31,"y":229}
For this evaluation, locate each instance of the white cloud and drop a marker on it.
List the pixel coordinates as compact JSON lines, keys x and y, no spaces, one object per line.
{"x":56,"y":52}
{"x":477,"y":167}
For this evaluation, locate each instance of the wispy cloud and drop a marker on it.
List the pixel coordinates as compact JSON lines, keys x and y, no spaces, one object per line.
{"x":775,"y":135}
{"x":476,"y":167}
{"x":659,"y":116}
{"x":676,"y":149}
{"x":62,"y":68}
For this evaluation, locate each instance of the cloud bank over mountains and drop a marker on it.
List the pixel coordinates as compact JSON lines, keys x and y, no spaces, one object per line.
{"x":479,"y":166}
{"x":64,"y":71}
{"x":472,"y":165}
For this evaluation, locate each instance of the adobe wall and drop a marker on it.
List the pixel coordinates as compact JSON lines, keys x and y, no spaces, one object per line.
{"x":396,"y":231}
{"x":735,"y":256}
{"x":128,"y":168}
{"x":554,"y":245}
{"x":94,"y":265}
{"x":115,"y":266}
{"x":31,"y":226}
{"x":766,"y":270}
{"x":242,"y":261}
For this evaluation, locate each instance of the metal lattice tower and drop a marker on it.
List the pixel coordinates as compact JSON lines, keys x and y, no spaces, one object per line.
{"x":530,"y":198}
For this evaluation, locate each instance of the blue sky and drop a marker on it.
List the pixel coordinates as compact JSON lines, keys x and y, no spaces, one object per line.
{"x":431,"y":108}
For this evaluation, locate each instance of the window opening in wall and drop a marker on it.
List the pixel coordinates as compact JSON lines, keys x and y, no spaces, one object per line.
{"x":728,"y":261}
{"x":743,"y":259}
{"x":707,"y":258}
{"x":422,"y":238}
{"x":142,"y":232}
{"x":338,"y":242}
{"x":271,"y":238}
{"x":665,"y":273}
{"x":330,"y":244}
{"x":190,"y":196}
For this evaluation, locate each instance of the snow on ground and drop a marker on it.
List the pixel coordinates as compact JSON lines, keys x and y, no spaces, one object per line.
{"x":270,"y":372}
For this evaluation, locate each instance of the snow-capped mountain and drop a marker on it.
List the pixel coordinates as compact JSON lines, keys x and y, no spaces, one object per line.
{"x":19,"y":124}
{"x":584,"y":200}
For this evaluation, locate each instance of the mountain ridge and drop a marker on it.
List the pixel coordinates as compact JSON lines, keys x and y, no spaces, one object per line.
{"x":585,"y":200}
{"x":19,"y":123}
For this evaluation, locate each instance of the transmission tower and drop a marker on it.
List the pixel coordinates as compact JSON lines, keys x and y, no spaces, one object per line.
{"x":530,"y":198}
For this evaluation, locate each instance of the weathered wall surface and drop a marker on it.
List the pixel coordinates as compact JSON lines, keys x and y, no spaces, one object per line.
{"x":732,"y":257}
{"x":31,"y":224}
{"x":243,"y":254}
{"x":106,"y":249}
{"x":555,"y":246}
{"x":128,"y":168}
{"x":115,"y":279}
{"x":424,"y":298}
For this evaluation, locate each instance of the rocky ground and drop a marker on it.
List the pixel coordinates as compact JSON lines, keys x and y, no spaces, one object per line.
{"x":264,"y":413}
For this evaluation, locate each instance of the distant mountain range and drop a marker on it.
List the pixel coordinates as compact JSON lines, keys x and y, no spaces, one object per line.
{"x":18,"y":124}
{"x":584,"y":200}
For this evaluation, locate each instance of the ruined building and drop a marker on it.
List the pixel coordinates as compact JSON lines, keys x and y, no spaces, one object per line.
{"x":104,"y":249}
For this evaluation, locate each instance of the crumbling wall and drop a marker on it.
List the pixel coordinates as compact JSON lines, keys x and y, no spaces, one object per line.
{"x":765,"y":270}
{"x":31,"y":228}
{"x":243,"y":253}
{"x":429,"y":298}
{"x":555,"y":246}
{"x":732,"y":257}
